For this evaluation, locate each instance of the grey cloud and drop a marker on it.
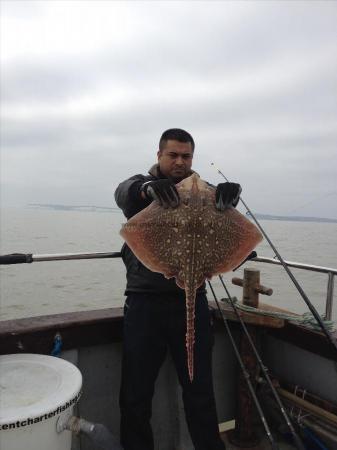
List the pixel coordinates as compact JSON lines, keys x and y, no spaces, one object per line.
{"x":197,"y":51}
{"x":44,"y":82}
{"x":22,"y":9}
{"x":276,"y":135}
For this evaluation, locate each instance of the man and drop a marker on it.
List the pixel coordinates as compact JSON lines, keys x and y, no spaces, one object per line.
{"x":155,"y":316}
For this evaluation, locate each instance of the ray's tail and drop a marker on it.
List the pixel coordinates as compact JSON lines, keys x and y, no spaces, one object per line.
{"x":190,"y":331}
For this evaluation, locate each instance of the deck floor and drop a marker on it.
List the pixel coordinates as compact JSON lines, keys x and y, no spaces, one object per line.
{"x":264,"y":444}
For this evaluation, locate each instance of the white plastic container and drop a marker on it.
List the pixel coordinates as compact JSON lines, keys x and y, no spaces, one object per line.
{"x":35,"y":392}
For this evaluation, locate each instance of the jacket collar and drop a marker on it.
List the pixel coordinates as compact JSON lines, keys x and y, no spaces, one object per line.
{"x":155,"y":171}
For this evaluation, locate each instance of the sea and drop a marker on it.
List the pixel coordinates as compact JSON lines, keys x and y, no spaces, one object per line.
{"x":42,"y":288}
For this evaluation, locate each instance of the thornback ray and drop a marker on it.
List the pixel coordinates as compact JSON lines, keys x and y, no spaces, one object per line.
{"x":191,"y":243}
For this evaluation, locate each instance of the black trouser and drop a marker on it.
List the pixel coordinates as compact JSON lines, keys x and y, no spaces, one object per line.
{"x":153,"y":324}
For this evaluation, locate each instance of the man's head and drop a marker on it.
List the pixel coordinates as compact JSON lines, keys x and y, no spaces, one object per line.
{"x":175,"y":154}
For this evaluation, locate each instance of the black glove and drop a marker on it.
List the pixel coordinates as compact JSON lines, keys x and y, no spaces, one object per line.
{"x":227,"y":195}
{"x":163,"y":191}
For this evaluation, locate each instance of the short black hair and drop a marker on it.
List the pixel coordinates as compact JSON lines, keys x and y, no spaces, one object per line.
{"x":175,"y":134}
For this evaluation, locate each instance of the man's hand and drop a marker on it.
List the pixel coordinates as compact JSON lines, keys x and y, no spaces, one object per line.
{"x":163,"y":191}
{"x":227,"y":195}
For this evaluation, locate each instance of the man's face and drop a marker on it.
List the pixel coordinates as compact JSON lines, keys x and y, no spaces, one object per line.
{"x":175,"y":160}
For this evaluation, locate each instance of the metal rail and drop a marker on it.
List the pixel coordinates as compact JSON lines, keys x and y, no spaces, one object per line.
{"x":22,"y":258}
{"x":19,"y":258}
{"x":73,"y":256}
{"x":297,"y":265}
{"x":313,"y":268}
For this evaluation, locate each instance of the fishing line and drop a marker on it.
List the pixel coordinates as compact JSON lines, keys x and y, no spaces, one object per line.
{"x":297,"y":440}
{"x":286,"y":268}
{"x":245,"y":373}
{"x":313,"y":200}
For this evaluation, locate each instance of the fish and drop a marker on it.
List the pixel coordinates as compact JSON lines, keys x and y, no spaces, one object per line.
{"x":192,"y":242}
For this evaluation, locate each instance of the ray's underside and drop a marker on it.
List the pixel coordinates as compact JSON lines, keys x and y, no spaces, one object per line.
{"x":192,"y":242}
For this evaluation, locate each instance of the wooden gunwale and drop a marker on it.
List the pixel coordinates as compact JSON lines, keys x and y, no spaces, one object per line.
{"x":77,"y":329}
{"x":103,"y":326}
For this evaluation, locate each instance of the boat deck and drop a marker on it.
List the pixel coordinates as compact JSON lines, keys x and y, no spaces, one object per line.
{"x":264,"y":444}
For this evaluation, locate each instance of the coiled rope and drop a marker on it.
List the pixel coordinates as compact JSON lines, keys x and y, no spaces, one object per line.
{"x":307,"y":319}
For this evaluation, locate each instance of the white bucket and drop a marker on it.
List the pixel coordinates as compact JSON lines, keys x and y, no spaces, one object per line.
{"x":35,"y":391}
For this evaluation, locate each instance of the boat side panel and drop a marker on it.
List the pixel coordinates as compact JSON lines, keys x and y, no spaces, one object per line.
{"x":78,"y":329}
{"x":295,"y":365}
{"x":101,"y":366}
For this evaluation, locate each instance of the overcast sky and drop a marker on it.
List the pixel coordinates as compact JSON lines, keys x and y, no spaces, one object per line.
{"x":87,"y":88}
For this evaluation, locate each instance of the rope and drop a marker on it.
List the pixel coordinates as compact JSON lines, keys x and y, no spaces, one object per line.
{"x":306,"y":319}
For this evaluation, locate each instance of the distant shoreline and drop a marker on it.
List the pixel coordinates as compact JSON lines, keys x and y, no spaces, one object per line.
{"x":94,"y":208}
{"x":295,"y":218}
{"x":85,"y":208}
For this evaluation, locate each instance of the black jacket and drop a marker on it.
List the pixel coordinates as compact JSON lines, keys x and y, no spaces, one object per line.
{"x":140,"y":278}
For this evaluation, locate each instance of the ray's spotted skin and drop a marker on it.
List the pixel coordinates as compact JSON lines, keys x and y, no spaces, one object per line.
{"x":192,"y":242}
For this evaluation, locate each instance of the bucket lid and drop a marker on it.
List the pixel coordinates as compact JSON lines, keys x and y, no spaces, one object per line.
{"x":35,"y":385}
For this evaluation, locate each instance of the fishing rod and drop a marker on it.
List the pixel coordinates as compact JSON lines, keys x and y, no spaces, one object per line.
{"x":245,"y":374}
{"x":297,"y":440}
{"x":313,"y":310}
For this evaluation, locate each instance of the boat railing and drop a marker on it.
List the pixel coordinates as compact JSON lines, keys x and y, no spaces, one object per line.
{"x":313,"y":268}
{"x":18,"y":258}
